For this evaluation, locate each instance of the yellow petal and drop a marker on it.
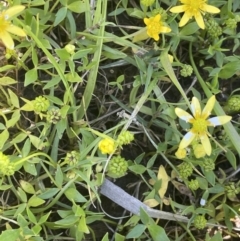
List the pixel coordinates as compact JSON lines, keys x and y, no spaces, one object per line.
{"x":157,"y":18}
{"x":210,"y":9}
{"x":199,"y":20}
{"x":14,"y":10}
{"x":219,"y":120}
{"x":182,"y":114}
{"x":16,"y":30}
{"x":7,"y":40}
{"x":206,"y":144}
{"x":195,"y":107}
{"x":165,"y":29}
{"x":155,"y":37}
{"x":187,"y":139}
{"x":178,"y":9}
{"x":185,"y":18}
{"x":208,"y":107}
{"x":146,"y":21}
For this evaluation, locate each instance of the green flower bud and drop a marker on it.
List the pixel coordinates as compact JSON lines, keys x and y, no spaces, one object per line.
{"x":54,"y":116}
{"x":70,"y":48}
{"x":124,"y":138}
{"x":231,"y":190}
{"x":71,"y":174}
{"x":72,"y":158}
{"x":213,"y":29}
{"x":117,"y":167}
{"x":231,"y":23}
{"x":8,"y":170}
{"x":193,"y":184}
{"x":185,"y":170}
{"x":147,"y":3}
{"x":160,"y":11}
{"x":200,"y":222}
{"x":186,"y":70}
{"x":40,"y":104}
{"x":208,"y":164}
{"x":233,"y":104}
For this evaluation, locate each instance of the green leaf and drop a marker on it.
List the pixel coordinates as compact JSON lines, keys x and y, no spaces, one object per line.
{"x":27,"y":187}
{"x":44,"y":218}
{"x":54,"y":99}
{"x":229,"y":69}
{"x":144,"y":216}
{"x":62,"y":54}
{"x":68,"y":221}
{"x":82,"y":226}
{"x":31,"y":216}
{"x":189,"y":29}
{"x":36,"y":142}
{"x":13,"y":98}
{"x":7,"y":81}
{"x":30,"y":77}
{"x":78,"y":7}
{"x":231,"y":158}
{"x":35,"y":201}
{"x":119,"y":237}
{"x":61,"y":14}
{"x":105,"y":238}
{"x":3,"y":137}
{"x":10,"y":235}
{"x":59,"y":176}
{"x":49,"y":193}
{"x":30,"y":168}
{"x":136,"y":232}
{"x":157,"y":233}
{"x":72,"y":194}
{"x":138,"y":169}
{"x":22,"y":195}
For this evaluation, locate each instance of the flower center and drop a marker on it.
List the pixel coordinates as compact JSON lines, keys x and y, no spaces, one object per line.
{"x":155,"y":27}
{"x":194,"y":6}
{"x":200,"y":125}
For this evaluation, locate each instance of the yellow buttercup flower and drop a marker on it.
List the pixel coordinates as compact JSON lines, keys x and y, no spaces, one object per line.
{"x":155,"y":27}
{"x":200,"y":123}
{"x":6,"y":27}
{"x":194,"y":8}
{"x":107,"y":146}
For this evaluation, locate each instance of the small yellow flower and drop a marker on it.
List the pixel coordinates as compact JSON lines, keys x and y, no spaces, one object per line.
{"x":7,"y":27}
{"x":200,"y":123}
{"x":155,"y":27}
{"x":194,"y":8}
{"x":181,"y":153}
{"x":107,"y":146}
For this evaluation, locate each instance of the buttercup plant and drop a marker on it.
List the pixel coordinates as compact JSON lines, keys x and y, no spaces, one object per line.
{"x":155,"y":26}
{"x":200,"y":123}
{"x":192,"y":8}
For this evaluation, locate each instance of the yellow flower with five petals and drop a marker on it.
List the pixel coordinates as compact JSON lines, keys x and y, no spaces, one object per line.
{"x":200,"y":123}
{"x":6,"y":27}
{"x":194,"y":8}
{"x":155,"y":27}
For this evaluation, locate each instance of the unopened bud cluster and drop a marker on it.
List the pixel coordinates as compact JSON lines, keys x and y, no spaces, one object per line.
{"x":53,"y":116}
{"x":185,"y":170}
{"x":117,"y":167}
{"x":40,"y":104}
{"x":200,"y":222}
{"x":213,"y":29}
{"x":231,"y":23}
{"x":193,"y":184}
{"x":186,"y":70}
{"x":6,"y":167}
{"x":72,"y":158}
{"x":208,"y":164}
{"x":124,"y":138}
{"x":147,"y":3}
{"x":233,"y":104}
